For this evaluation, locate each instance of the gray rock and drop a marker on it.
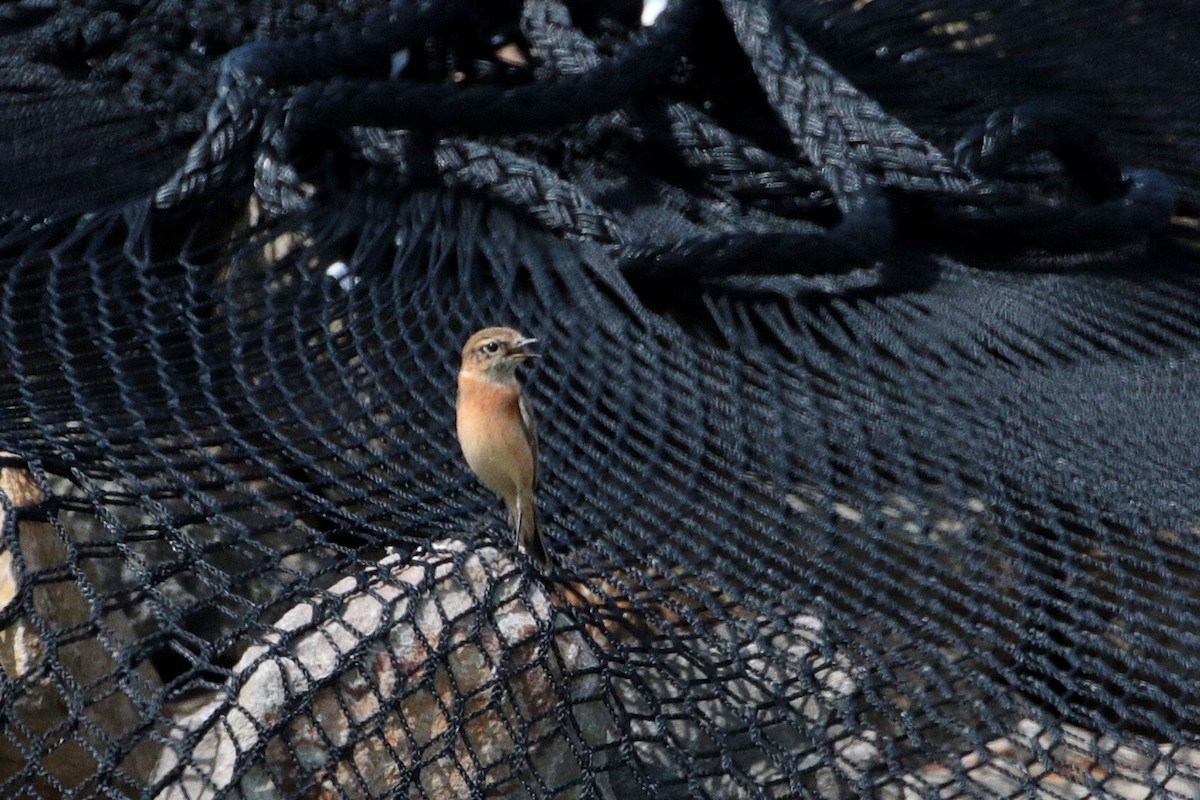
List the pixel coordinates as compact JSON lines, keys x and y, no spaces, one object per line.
{"x":456,"y":673}
{"x":440,"y":676}
{"x":62,"y":669}
{"x":248,"y":552}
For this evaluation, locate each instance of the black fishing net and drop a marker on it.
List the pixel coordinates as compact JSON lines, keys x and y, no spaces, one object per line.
{"x":868,"y":403}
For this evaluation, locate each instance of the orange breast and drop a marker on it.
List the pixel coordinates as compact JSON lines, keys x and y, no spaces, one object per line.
{"x":492,"y":435}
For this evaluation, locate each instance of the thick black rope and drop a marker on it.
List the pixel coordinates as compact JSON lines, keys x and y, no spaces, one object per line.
{"x":844,"y":134}
{"x":763,"y":212}
{"x":248,"y":75}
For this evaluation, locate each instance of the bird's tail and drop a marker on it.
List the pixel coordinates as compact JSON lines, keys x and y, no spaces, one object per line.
{"x":529,"y":530}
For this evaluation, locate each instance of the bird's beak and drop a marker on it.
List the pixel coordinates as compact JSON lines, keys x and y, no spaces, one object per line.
{"x":519,"y":351}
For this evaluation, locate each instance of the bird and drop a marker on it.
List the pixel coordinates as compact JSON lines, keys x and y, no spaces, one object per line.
{"x":497,"y":430}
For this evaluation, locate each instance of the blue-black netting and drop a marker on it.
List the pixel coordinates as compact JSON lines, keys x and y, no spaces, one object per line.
{"x":868,"y":407}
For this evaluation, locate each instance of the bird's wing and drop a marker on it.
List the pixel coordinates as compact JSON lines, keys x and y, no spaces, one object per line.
{"x":530,"y":426}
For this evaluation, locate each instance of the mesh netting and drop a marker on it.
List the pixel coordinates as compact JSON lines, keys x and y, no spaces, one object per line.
{"x":868,"y":404}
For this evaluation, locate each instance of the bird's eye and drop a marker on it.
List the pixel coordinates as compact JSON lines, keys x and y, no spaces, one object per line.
{"x":491,"y":348}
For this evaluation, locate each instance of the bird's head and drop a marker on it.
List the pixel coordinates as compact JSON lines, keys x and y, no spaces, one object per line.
{"x":495,"y":353}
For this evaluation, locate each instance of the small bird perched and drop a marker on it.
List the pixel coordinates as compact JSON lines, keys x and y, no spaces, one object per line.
{"x":496,"y":429}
